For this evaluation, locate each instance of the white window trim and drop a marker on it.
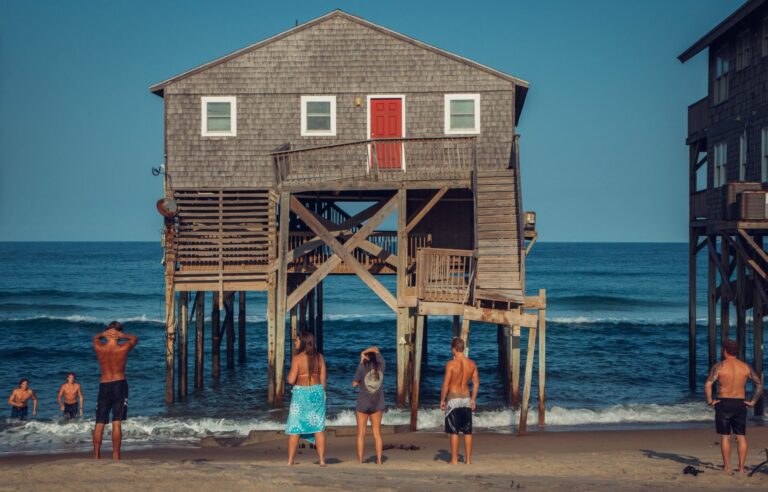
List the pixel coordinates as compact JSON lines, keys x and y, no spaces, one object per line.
{"x":232,"y":100}
{"x":447,"y":114}
{"x":318,"y":133}
{"x":368,"y":122}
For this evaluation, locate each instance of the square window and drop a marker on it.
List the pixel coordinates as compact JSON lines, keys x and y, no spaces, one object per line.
{"x":462,"y":114}
{"x":318,"y":116}
{"x":218,"y":116}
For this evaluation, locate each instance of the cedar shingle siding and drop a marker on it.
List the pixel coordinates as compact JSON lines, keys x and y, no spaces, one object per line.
{"x":337,"y":56}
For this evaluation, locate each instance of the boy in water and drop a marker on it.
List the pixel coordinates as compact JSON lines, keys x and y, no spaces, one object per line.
{"x":456,"y":401}
{"x":19,"y":399}
{"x":71,"y":392}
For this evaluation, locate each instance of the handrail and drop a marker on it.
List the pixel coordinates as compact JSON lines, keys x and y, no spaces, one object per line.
{"x":444,"y":275}
{"x":369,"y":141}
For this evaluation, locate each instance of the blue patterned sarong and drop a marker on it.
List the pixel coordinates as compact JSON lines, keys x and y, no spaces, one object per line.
{"x":307,"y":412}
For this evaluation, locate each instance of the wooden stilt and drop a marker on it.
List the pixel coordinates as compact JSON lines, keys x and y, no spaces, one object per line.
{"x":403,"y":335}
{"x":182,"y":342}
{"x":170,"y":310}
{"x":741,"y":302}
{"x":711,"y":307}
{"x":402,"y":355}
{"x":241,"y":327}
{"x":501,"y":344}
{"x":294,"y":322}
{"x":456,"y":326}
{"x":514,"y":366}
{"x":725,"y":323}
{"x":271,"y":339}
{"x":199,"y":338}
{"x":692,"y":243}
{"x":303,"y":314}
{"x":418,"y":346}
{"x":282,"y":286}
{"x":528,"y":378}
{"x":319,"y":318}
{"x":229,"y":325}
{"x":311,"y":312}
{"x":424,"y":341}
{"x":215,"y":338}
{"x":465,"y":334}
{"x":542,"y":357}
{"x":757,"y":342}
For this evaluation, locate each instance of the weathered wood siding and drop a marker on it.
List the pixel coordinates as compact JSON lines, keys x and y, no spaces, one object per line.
{"x":335,"y":57}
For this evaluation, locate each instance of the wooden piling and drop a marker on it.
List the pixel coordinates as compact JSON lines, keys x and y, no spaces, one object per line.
{"x":294,"y":323}
{"x":282,"y":291}
{"x":182,"y":342}
{"x":229,"y":326}
{"x":465,"y":334}
{"x":241,"y":327}
{"x":424,"y":340}
{"x":319,"y":317}
{"x":692,"y":243}
{"x":170,"y":311}
{"x":501,"y":345}
{"x":711,"y":307}
{"x":303,"y":314}
{"x":418,"y":346}
{"x":271,"y":338}
{"x":311,"y":312}
{"x":215,"y":338}
{"x":402,"y":330}
{"x":521,"y":429}
{"x":758,"y":310}
{"x":741,"y":301}
{"x":514,"y":366}
{"x":456,"y":326}
{"x":199,"y":338}
{"x":725,"y":323}
{"x":542,"y":356}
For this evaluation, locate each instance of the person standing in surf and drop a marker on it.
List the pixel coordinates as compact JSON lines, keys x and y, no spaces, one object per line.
{"x":369,"y":377}
{"x":71,"y":391}
{"x":306,"y":415}
{"x":113,"y":388}
{"x":456,"y":401}
{"x":731,"y":375}
{"x":19,"y":401}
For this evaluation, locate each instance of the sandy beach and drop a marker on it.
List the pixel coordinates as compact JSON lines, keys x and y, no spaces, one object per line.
{"x":600,"y":460}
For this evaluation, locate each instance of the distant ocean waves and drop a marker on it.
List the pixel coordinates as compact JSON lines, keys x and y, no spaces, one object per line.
{"x":53,"y":436}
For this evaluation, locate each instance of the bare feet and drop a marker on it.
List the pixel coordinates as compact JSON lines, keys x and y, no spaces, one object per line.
{"x":727,"y":471}
{"x":469,"y":462}
{"x":453,"y":462}
{"x":322,"y":464}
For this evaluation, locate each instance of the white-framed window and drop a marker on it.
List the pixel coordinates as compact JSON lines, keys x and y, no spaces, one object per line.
{"x":721,"y":162}
{"x":219,"y":116}
{"x":462,"y":114}
{"x":743,"y":156}
{"x":764,"y":154}
{"x":318,"y":116}
{"x":765,"y":36}
{"x":722,"y":69}
{"x":743,"y":50}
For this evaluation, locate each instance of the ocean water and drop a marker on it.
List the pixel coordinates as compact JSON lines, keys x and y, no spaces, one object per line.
{"x":616,"y":344}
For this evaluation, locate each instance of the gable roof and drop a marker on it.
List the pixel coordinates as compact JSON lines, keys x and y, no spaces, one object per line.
{"x":521,"y":85}
{"x":726,"y":25}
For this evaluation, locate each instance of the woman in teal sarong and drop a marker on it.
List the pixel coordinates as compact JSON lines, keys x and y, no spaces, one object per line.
{"x":306,"y":416}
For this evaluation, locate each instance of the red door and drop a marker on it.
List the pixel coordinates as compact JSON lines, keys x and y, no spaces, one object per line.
{"x":387,"y":122}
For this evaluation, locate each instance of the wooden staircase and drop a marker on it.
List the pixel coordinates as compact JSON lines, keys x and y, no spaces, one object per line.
{"x":500,"y":244}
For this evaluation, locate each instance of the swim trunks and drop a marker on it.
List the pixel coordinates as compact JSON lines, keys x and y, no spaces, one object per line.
{"x":70,"y":410}
{"x":458,"y":416}
{"x":19,"y":413}
{"x":113,"y":397}
{"x":731,"y":416}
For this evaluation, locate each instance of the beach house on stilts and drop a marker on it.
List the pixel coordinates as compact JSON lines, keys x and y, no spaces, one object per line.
{"x":264,"y":146}
{"x":728,"y":183}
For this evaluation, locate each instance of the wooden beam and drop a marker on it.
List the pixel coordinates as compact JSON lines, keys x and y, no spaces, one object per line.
{"x":182,"y":342}
{"x":725,"y":285}
{"x":319,"y":318}
{"x":693,"y":238}
{"x":726,"y":292}
{"x":215,"y":337}
{"x":271,"y":339}
{"x":282,"y":290}
{"x":403,"y":342}
{"x":465,"y":328}
{"x":757,"y":339}
{"x":757,"y":249}
{"x":417,"y":353}
{"x":521,"y":429}
{"x":740,"y":304}
{"x":440,"y":309}
{"x":498,"y":316}
{"x":241,"y":327}
{"x":711,"y":307}
{"x":456,"y":325}
{"x":414,"y":220}
{"x":403,"y":313}
{"x":229,"y":327}
{"x":514,"y":366}
{"x":542,"y":357}
{"x":199,"y":339}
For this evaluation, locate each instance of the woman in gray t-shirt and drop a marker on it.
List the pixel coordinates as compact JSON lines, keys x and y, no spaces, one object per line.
{"x":369,"y":378}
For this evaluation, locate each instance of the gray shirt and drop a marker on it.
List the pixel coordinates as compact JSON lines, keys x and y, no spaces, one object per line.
{"x":370,"y":397}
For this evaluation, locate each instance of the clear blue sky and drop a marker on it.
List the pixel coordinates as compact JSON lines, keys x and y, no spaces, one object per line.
{"x":603,"y":129}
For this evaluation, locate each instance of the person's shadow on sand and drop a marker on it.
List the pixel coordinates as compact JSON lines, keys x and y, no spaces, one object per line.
{"x":372,"y":459}
{"x":678,"y":458}
{"x":445,"y":455}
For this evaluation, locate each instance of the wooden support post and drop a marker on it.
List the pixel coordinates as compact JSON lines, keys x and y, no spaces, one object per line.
{"x":229,"y":326}
{"x":542,"y":356}
{"x":182,"y":342}
{"x":725,"y":322}
{"x":424,"y":341}
{"x":271,"y":338}
{"x":282,"y":291}
{"x":403,"y":335}
{"x":215,"y":337}
{"x":741,"y":302}
{"x":465,"y":334}
{"x":199,"y":338}
{"x":418,"y":346}
{"x":402,"y":355}
{"x":241,"y":327}
{"x":303,"y":315}
{"x":294,"y":322}
{"x":170,"y":310}
{"x":528,"y":378}
{"x":692,"y":243}
{"x":311,"y":312}
{"x":501,"y":344}
{"x":711,"y":307}
{"x":456,"y":326}
{"x":757,"y":340}
{"x":319,"y":318}
{"x":514,"y":366}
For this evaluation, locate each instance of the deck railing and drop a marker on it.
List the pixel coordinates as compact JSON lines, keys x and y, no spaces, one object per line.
{"x":391,"y":159}
{"x":444,"y":275}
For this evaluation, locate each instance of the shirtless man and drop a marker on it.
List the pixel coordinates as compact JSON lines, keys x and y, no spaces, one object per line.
{"x":71,"y":392}
{"x":19,"y":398}
{"x":731,"y":374}
{"x":113,"y":390}
{"x":456,"y":400}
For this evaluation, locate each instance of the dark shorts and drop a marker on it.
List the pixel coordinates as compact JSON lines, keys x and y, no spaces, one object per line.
{"x":459,"y":421}
{"x":731,"y":417}
{"x":113,"y":397}
{"x":19,"y":413}
{"x":70,"y":410}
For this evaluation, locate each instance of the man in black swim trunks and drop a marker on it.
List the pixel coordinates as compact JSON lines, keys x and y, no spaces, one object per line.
{"x":731,"y":374}
{"x":113,"y":390}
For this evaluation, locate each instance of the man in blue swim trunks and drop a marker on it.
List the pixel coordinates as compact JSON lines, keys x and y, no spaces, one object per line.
{"x":19,"y":401}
